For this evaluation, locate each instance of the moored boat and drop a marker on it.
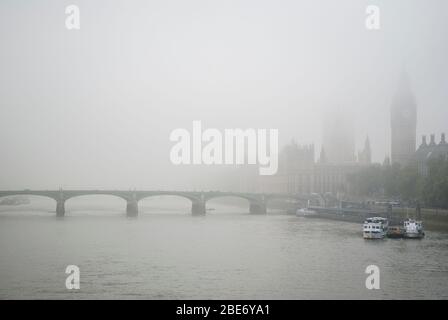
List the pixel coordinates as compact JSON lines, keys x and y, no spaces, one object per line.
{"x":395,"y":232}
{"x":375,"y":228}
{"x":305,"y":212}
{"x":413,"y":229}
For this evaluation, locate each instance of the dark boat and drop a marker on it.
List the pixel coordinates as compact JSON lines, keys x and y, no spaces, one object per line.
{"x":395,"y":232}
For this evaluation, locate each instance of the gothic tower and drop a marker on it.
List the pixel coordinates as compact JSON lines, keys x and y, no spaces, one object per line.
{"x":365,"y":156}
{"x":403,"y":116}
{"x":338,"y":139}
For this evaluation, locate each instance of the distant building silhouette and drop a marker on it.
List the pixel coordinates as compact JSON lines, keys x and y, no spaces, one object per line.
{"x":426,"y":152}
{"x":403,"y":116}
{"x":294,"y":158}
{"x":365,"y":156}
{"x":338,"y":137}
{"x":299,"y":173}
{"x":322,"y":157}
{"x":386,"y":161}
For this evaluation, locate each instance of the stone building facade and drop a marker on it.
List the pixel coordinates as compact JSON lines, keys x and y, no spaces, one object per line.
{"x":427,"y":151}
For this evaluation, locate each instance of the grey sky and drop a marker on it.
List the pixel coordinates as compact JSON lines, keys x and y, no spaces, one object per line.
{"x":94,"y":107}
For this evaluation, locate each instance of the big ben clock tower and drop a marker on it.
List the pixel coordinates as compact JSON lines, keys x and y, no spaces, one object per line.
{"x":403,"y":116}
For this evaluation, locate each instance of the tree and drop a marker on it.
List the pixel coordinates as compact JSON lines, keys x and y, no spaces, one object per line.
{"x":389,"y":176}
{"x":366,"y":182}
{"x":405,"y":183}
{"x":435,"y":190}
{"x":409,"y":183}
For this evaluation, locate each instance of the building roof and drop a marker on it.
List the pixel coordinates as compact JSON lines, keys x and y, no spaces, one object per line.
{"x":432,"y":150}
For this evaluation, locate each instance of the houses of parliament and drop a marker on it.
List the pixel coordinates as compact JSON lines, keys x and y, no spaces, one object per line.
{"x":299,"y":172}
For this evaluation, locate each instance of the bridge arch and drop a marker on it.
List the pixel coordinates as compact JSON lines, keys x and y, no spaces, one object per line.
{"x":48,"y":195}
{"x":174,"y":194}
{"x":237,"y":201}
{"x":256,"y":204}
{"x":71,"y":199}
{"x":49,"y":201}
{"x":153,"y":197}
{"x":230,"y":195}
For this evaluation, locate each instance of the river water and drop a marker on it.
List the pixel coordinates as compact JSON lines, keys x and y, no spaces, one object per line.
{"x":227,"y":254}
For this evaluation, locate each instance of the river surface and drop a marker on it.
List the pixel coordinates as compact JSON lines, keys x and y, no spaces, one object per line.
{"x":228,"y":254}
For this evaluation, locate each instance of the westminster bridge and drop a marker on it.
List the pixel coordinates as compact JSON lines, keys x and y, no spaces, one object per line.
{"x":257,"y":201}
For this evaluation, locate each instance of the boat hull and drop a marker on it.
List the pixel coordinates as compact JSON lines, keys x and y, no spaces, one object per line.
{"x":372,"y":235}
{"x":414,"y":235}
{"x":304,"y":213}
{"x":395,"y":235}
{"x":413,"y":229}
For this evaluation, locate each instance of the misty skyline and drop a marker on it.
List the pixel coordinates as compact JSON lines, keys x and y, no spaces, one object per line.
{"x":95,"y":107}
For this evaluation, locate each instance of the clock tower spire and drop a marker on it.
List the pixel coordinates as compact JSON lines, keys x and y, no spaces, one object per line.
{"x":403,"y":116}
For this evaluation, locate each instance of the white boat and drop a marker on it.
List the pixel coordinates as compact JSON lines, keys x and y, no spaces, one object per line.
{"x":375,"y":228}
{"x":304,"y":212}
{"x":413,"y":229}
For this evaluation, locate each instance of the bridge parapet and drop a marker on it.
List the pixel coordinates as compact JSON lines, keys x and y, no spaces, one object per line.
{"x":257,"y":201}
{"x":40,"y":193}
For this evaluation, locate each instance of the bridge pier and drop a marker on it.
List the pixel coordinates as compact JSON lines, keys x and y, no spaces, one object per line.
{"x":257,"y":208}
{"x":132,"y":208}
{"x":60,"y":208}
{"x":198,"y":208}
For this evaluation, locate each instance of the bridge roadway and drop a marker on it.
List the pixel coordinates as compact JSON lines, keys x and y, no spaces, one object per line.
{"x":257,"y":201}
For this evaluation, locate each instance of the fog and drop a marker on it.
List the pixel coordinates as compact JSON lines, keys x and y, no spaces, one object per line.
{"x":94,"y":108}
